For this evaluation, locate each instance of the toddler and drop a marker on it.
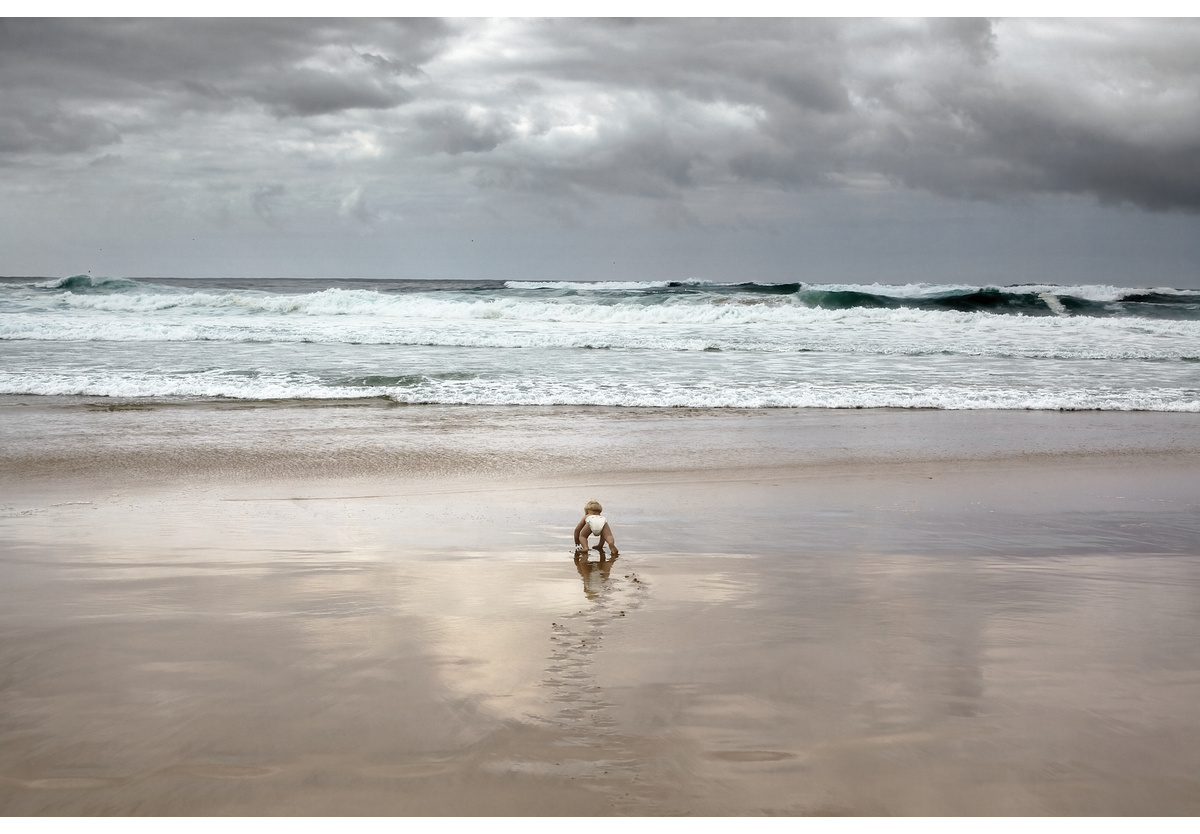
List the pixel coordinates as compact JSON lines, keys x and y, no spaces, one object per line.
{"x":593,"y":524}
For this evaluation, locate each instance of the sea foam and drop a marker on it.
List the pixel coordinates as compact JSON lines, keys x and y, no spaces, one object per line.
{"x":646,"y":344}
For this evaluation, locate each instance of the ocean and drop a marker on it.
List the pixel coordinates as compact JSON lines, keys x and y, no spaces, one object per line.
{"x":689,"y":344}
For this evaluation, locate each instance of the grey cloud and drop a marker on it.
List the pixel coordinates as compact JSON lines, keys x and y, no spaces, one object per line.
{"x":674,"y":74}
{"x":306,"y":92}
{"x":354,"y":206}
{"x":1102,"y":130}
{"x":52,"y":130}
{"x":392,"y":65}
{"x":96,"y":54}
{"x":974,"y":35}
{"x":668,"y":73}
{"x":783,"y":168}
{"x":451,"y":131}
{"x":930,"y":105}
{"x":263,"y":198}
{"x":1056,"y":154}
{"x":655,"y":110}
{"x":107,"y":160}
{"x":810,"y":90}
{"x":159,"y":69}
{"x":648,"y":166}
{"x":204,"y":89}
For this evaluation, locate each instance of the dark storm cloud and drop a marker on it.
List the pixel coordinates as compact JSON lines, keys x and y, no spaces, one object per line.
{"x":132,"y":54}
{"x":1094,"y":117}
{"x":26,"y":127}
{"x":452,"y":131}
{"x":163,"y":68}
{"x":582,"y":110}
{"x":933,"y":106}
{"x":1040,"y":150}
{"x":306,"y":92}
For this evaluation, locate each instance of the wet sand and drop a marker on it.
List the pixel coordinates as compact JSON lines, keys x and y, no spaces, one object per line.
{"x":371,"y":610}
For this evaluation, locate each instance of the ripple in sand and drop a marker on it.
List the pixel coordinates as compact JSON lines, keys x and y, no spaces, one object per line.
{"x":228,"y":771}
{"x":72,"y":783}
{"x":751,"y":755}
{"x":416,"y":770}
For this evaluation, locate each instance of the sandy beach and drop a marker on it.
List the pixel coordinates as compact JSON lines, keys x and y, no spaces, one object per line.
{"x":364,"y":608}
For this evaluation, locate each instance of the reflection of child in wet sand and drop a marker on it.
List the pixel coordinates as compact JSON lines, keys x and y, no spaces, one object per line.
{"x":595,"y":575}
{"x":593,"y":523}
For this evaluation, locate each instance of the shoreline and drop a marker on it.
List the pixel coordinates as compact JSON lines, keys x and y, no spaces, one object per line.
{"x":44,"y":439}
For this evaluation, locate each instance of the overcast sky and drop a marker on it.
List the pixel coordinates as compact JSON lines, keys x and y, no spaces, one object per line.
{"x":815,"y":150}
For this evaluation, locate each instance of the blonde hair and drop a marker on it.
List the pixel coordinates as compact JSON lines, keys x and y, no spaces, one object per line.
{"x":593,"y":506}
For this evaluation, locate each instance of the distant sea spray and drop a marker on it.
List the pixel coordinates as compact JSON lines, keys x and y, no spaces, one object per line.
{"x":646,"y":344}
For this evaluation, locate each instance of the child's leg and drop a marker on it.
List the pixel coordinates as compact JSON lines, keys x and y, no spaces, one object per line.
{"x":581,"y":544}
{"x":607,"y":536}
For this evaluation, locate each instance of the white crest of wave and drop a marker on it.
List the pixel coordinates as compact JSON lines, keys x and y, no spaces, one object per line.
{"x":734,"y":328}
{"x":81,"y":280}
{"x":602,"y":285}
{"x":53,"y":283}
{"x":369,"y":304}
{"x":1098,"y":293}
{"x":663,"y":394}
{"x":600,"y":308}
{"x":896,"y":290}
{"x":921,"y":291}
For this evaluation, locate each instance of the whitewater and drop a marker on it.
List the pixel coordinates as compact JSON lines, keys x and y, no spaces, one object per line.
{"x":689,"y":344}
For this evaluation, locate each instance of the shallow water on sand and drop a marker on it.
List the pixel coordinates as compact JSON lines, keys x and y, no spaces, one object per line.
{"x":909,"y":635}
{"x":713,"y":685}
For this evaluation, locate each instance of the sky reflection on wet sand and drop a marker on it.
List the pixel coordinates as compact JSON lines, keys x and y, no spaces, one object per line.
{"x":863,"y":640}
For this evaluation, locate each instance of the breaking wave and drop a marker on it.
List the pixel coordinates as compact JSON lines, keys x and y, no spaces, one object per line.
{"x":460,"y":389}
{"x":686,"y":343}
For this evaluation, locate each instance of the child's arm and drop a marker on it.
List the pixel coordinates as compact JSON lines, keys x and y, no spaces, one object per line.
{"x":579,"y":527}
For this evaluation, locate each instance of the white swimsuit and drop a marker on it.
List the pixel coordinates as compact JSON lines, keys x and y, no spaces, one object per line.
{"x":596,"y":522}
